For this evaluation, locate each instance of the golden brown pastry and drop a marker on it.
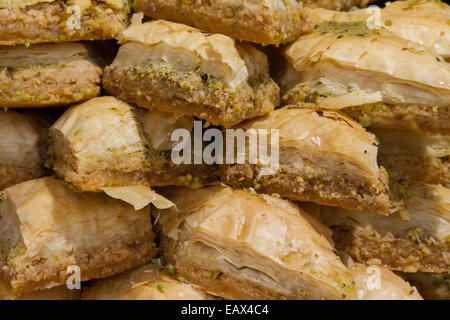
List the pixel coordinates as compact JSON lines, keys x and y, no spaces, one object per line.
{"x":261,"y":21}
{"x":380,"y":283}
{"x":412,"y":160}
{"x":412,"y":157}
{"x":22,"y":147}
{"x":415,"y":238}
{"x":46,"y":75}
{"x":33,"y":21}
{"x":150,"y":282}
{"x":422,"y":21}
{"x":237,"y":245}
{"x":324,"y":157}
{"x":175,"y":68}
{"x":106,"y":143}
{"x":336,"y":4}
{"x":371,"y":75}
{"x":55,"y":293}
{"x":47,"y":230}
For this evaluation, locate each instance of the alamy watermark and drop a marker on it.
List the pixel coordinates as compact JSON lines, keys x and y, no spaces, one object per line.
{"x":374,"y":19}
{"x":231,"y":146}
{"x":374,"y":278}
{"x":74,"y":20}
{"x":73,"y":282}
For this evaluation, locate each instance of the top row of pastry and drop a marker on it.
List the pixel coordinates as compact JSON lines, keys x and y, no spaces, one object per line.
{"x":268,"y":22}
{"x":370,"y":74}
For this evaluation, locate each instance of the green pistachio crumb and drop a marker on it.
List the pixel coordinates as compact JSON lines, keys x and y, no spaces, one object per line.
{"x":351,"y":29}
{"x":160,"y":287}
{"x":218,"y":85}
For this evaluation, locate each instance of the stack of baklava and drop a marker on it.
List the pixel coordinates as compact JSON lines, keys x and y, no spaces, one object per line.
{"x":352,"y":106}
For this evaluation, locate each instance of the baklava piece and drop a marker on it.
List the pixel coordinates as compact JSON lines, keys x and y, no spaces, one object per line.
{"x":22,"y":147}
{"x":324,"y":157}
{"x":150,"y":282}
{"x":261,"y":21}
{"x":55,"y":293}
{"x":47,"y":75}
{"x":175,"y":68}
{"x":267,"y":22}
{"x":336,"y":4}
{"x":369,"y":74}
{"x":380,"y":283}
{"x":49,"y":231}
{"x":424,"y":22}
{"x":414,"y":157}
{"x":106,"y":143}
{"x":412,"y":160}
{"x":33,"y":21}
{"x":416,"y":238}
{"x":61,"y":293}
{"x":237,"y":245}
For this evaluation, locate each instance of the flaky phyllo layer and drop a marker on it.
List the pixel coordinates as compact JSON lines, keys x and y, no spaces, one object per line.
{"x":34,"y":21}
{"x":150,"y":282}
{"x":187,"y":49}
{"x":339,"y":66}
{"x":47,"y":228}
{"x":83,"y":4}
{"x":240,"y":246}
{"x":177,"y":68}
{"x":260,"y":21}
{"x":106,"y":143}
{"x":414,"y":157}
{"x":47,"y":75}
{"x":392,"y":287}
{"x":324,"y":157}
{"x":417,"y":238}
{"x":422,"y":21}
{"x":21,"y":152}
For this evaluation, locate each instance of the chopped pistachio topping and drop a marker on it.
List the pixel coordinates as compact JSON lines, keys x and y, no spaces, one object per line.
{"x":160,"y":287}
{"x":413,"y":126}
{"x":351,"y":29}
{"x":364,"y":122}
{"x":218,"y":85}
{"x":188,"y":178}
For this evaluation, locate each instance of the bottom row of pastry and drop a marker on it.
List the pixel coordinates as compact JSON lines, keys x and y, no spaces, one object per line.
{"x":215,"y":242}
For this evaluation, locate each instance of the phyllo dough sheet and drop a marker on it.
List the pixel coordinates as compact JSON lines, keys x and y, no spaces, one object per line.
{"x":22,"y":146}
{"x":415,"y":238}
{"x":46,"y":75}
{"x":150,"y":282}
{"x":370,"y":74}
{"x":241,"y":246}
{"x":175,"y":68}
{"x":324,"y":157}
{"x":47,"y":229}
{"x":107,"y":143}
{"x":37,"y":21}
